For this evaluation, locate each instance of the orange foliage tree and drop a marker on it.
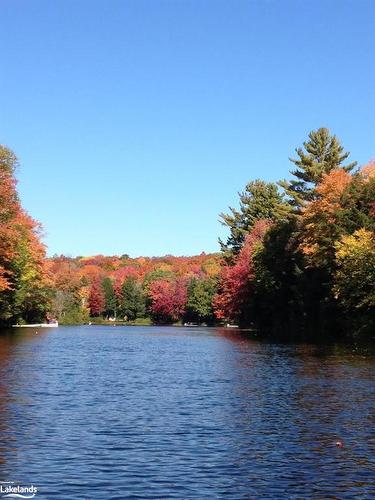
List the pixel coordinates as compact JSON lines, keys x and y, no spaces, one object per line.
{"x":319,"y":223}
{"x":24,"y":276}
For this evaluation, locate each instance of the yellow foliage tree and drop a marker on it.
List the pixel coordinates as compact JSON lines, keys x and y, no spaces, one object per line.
{"x":354,"y":284}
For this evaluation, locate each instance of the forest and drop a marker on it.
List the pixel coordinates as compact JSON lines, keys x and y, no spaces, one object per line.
{"x":299,"y":259}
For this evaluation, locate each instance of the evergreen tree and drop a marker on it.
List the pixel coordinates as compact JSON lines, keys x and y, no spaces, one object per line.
{"x":109,"y":297}
{"x":132,"y":303}
{"x":279,"y":280}
{"x":358,"y":201}
{"x":320,"y":155}
{"x":260,"y":201}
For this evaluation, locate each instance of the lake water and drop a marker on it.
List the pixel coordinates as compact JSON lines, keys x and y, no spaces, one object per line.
{"x":108,"y":412}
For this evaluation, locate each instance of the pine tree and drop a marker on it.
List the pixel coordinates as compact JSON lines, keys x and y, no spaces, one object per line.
{"x":109,"y":297}
{"x":132,"y":304}
{"x":321,"y":154}
{"x":260,"y":201}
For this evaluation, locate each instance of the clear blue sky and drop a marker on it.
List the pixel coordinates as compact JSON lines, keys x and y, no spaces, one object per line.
{"x":137,"y":121}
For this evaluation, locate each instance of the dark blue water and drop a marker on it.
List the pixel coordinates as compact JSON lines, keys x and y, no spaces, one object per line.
{"x":130,"y":412}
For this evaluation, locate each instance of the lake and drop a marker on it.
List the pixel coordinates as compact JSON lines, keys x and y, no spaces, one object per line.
{"x":103,"y":412}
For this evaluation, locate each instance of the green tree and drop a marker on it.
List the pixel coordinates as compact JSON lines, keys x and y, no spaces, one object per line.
{"x":109,"y":297}
{"x":260,"y":200}
{"x":319,"y":155}
{"x":278,"y":302}
{"x":155,"y":275}
{"x":200,"y":296}
{"x":8,"y":161}
{"x":132,"y":303}
{"x":67,"y":309}
{"x":358,"y":202}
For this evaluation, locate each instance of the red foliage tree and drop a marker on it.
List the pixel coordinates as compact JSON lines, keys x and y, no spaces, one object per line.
{"x":168,"y":299}
{"x":236,"y":281}
{"x":96,"y":298}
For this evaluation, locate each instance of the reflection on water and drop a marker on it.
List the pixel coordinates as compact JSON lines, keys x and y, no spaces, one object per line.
{"x":133,"y":412}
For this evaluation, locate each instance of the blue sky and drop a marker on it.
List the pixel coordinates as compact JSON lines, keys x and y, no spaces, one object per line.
{"x":137,"y":121}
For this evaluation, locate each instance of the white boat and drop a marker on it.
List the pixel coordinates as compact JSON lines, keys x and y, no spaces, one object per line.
{"x":228,"y":325}
{"x":38,"y":325}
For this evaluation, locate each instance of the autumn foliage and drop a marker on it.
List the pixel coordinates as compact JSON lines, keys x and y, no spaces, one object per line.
{"x":168,"y":299}
{"x":311,"y":271}
{"x":237,"y":280}
{"x":299,"y":257}
{"x":24,"y":271}
{"x":153,"y":286}
{"x":96,"y":300}
{"x":319,"y":220}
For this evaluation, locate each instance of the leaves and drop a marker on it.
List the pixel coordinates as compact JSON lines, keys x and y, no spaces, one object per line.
{"x":126,"y":284}
{"x":24,"y":273}
{"x":132,"y":300}
{"x":237,"y":280}
{"x":320,"y":220}
{"x":96,"y":300}
{"x":260,"y":200}
{"x":200,"y":297}
{"x":354,"y":282}
{"x":168,"y":299}
{"x":278,"y":266}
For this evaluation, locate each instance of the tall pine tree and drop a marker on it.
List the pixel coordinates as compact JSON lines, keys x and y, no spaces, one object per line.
{"x":321,"y":154}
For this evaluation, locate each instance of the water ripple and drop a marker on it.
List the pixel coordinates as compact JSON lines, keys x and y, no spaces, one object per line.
{"x":98,"y":412}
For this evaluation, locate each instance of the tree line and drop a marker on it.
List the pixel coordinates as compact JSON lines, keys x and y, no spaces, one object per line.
{"x":157,"y":289}
{"x":299,"y":259}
